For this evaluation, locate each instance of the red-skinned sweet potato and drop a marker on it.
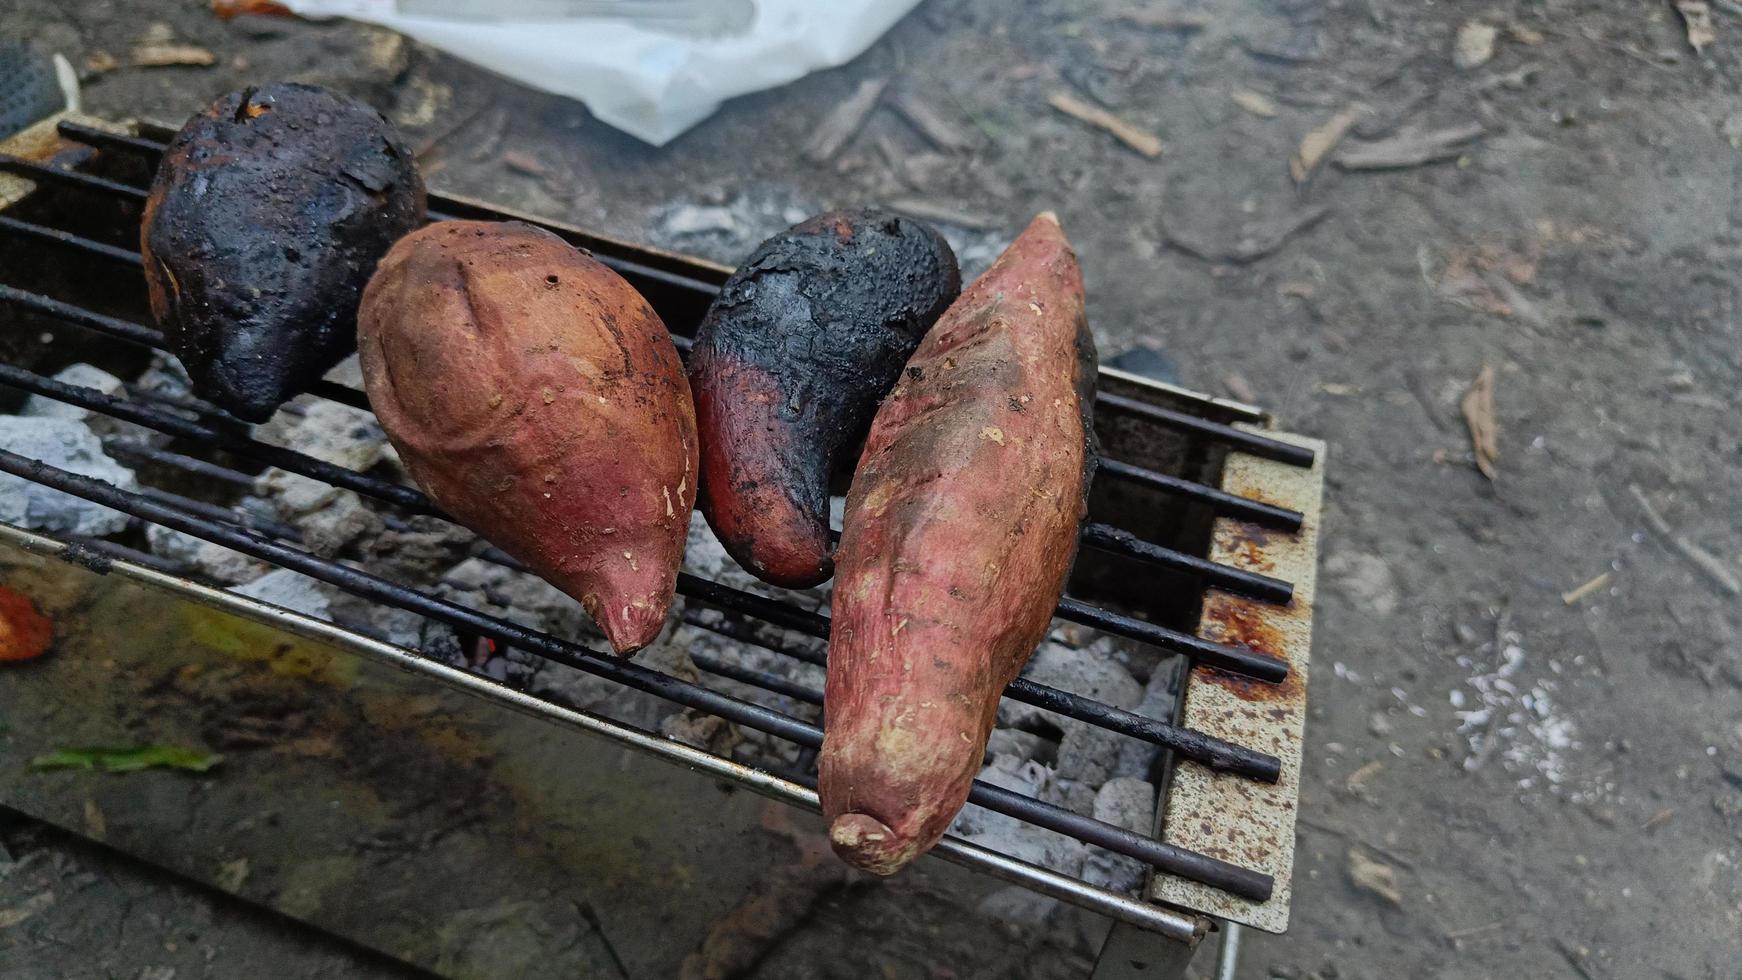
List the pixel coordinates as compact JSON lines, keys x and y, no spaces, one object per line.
{"x":536,"y":397}
{"x":960,"y":531}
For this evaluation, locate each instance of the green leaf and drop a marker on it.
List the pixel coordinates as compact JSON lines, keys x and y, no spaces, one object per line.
{"x":112,"y":759}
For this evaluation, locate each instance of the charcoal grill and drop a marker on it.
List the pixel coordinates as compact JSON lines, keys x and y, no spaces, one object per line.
{"x":1202,"y":542}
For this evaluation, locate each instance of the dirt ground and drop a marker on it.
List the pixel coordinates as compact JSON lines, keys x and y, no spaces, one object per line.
{"x":1554,"y":779}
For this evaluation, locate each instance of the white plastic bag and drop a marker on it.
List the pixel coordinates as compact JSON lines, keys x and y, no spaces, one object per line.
{"x":652,"y":68}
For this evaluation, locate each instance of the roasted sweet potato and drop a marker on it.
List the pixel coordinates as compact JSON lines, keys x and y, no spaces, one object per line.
{"x":961,"y":526}
{"x":267,"y":215}
{"x":788,"y":367}
{"x":537,"y":398}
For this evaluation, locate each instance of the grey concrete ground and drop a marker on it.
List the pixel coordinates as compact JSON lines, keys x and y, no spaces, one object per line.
{"x":1552,"y":774}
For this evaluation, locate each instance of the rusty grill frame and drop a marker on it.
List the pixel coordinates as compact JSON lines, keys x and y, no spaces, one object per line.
{"x":1249,"y":654}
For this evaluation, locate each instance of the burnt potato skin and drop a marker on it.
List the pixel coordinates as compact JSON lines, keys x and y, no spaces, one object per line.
{"x":788,"y":368}
{"x":267,"y":215}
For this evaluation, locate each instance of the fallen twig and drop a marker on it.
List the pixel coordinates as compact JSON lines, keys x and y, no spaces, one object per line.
{"x":1409,"y":149}
{"x":1478,"y":408}
{"x":1574,"y":958}
{"x":844,"y":120}
{"x":1572,"y":596}
{"x":1139,"y":139}
{"x":1702,"y":559}
{"x":1255,"y":242}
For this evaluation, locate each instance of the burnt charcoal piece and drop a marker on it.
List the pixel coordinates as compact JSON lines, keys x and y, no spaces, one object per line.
{"x":789,"y":366}
{"x":267,"y":216}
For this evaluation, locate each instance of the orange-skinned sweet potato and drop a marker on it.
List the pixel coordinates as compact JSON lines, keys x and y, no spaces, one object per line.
{"x":536,"y":397}
{"x":960,"y":531}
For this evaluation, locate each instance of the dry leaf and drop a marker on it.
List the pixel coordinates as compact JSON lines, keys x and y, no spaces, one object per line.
{"x":164,"y":55}
{"x":1478,"y":409}
{"x":95,"y":826}
{"x":1475,"y":44}
{"x":524,"y":163}
{"x":1240,"y":388}
{"x":1254,"y":103}
{"x":1409,"y":149}
{"x":1372,"y":876}
{"x":1697,"y":17}
{"x":32,"y":905}
{"x":99,"y":62}
{"x":1319,"y":142}
{"x":1165,"y":20}
{"x":1139,"y":139}
{"x":1524,"y":35}
{"x":1357,"y":780}
{"x":231,"y":874}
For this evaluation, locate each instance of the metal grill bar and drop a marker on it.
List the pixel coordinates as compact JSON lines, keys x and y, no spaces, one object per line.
{"x":1217,"y":754}
{"x":1248,"y":442}
{"x":1163,"y":857}
{"x":46,"y":174}
{"x":1226,"y":657}
{"x":1219,"y":501}
{"x":1214,"y":574}
{"x":70,"y":240}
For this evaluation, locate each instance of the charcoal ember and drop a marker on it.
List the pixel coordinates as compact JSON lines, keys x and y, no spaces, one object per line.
{"x":1026,"y":746}
{"x":1072,"y":794}
{"x":292,"y":495}
{"x":328,"y":431}
{"x":81,"y":376}
{"x":292,"y":590}
{"x":333,"y":528}
{"x":212,"y":561}
{"x":1123,"y":802}
{"x":1088,"y":752}
{"x":710,"y":733}
{"x":1011,"y":836}
{"x":70,"y":445}
{"x":420,"y":552}
{"x":1138,"y":758}
{"x":387,"y":623}
{"x":1088,"y":671}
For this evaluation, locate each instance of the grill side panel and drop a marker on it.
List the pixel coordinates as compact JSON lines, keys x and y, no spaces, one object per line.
{"x":1237,"y":820}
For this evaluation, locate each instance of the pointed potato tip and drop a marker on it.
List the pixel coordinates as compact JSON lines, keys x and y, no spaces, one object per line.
{"x":867,"y":843}
{"x":628,"y":628}
{"x":1051,"y":216}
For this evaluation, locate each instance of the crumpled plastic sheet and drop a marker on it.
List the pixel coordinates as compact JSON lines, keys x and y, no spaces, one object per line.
{"x":641,"y":77}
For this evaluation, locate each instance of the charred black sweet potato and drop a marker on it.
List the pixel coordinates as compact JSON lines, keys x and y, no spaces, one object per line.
{"x":788,"y":368}
{"x":266,"y":218}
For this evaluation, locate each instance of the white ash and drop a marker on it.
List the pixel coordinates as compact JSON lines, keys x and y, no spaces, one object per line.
{"x":167,"y":377}
{"x":212,"y":561}
{"x":1506,"y":718}
{"x":1072,"y":794}
{"x":69,"y":445}
{"x":291,"y":495}
{"x":327,"y":430}
{"x":1123,"y":802}
{"x":1008,"y":835}
{"x":727,"y":230}
{"x":292,"y":590}
{"x":1086,"y":671}
{"x":80,"y":376}
{"x":333,"y":528}
{"x":1088,"y":752}
{"x":1026,"y":746}
{"x":1137,"y":758}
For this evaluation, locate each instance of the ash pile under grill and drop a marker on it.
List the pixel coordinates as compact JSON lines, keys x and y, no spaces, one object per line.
{"x":1074,"y":764}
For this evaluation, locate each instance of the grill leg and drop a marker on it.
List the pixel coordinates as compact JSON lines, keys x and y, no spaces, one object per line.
{"x":1133,"y":954}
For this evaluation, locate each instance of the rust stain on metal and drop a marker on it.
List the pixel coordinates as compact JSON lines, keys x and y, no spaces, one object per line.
{"x":1248,"y":823}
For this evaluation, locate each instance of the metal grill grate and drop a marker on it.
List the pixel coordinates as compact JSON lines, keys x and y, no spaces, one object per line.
{"x":680,"y":289}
